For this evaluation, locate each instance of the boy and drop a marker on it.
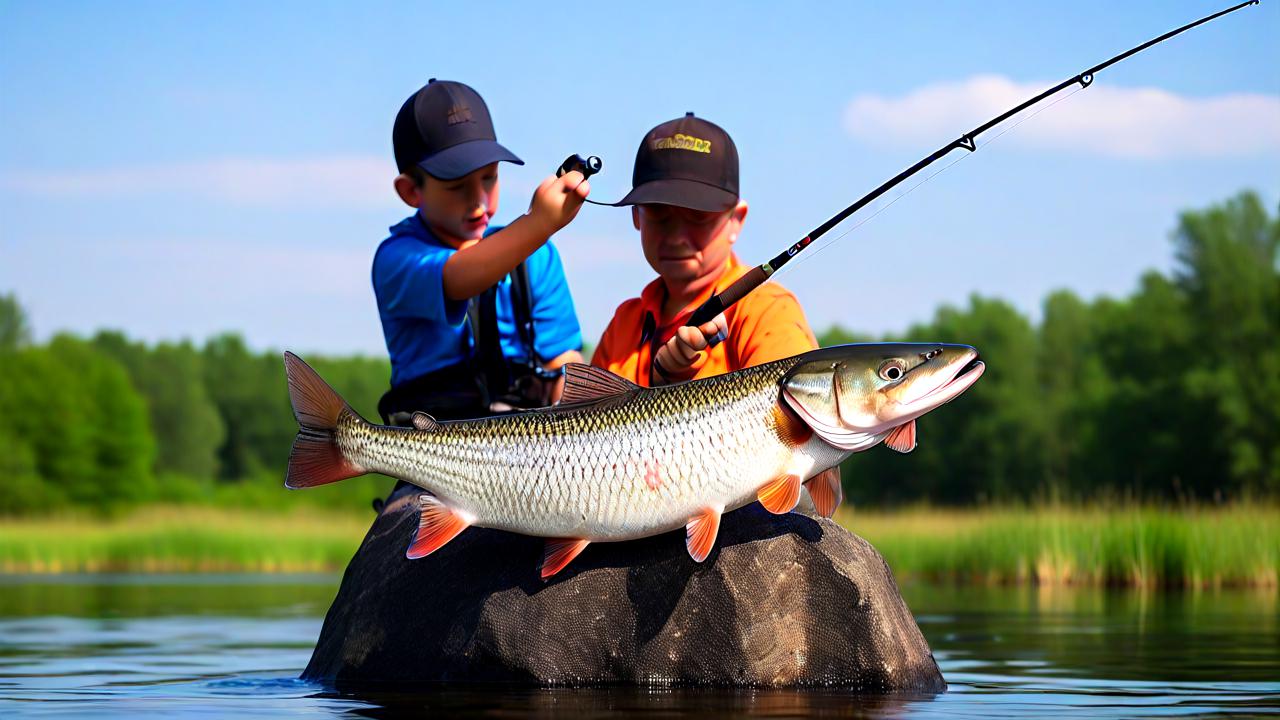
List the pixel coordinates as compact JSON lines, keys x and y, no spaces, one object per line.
{"x":686,"y":206}
{"x":471,"y":326}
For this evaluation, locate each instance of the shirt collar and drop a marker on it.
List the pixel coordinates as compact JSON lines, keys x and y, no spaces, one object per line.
{"x":653,"y":295}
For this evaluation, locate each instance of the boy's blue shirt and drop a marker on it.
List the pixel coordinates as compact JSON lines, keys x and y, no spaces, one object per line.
{"x":425,"y":331}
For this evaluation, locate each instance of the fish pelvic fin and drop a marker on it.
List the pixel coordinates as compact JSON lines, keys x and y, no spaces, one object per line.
{"x":903,"y":437}
{"x":700,"y":534}
{"x":437,"y":525}
{"x":316,"y":458}
{"x":780,"y":495}
{"x":825,"y":490}
{"x":558,"y":553}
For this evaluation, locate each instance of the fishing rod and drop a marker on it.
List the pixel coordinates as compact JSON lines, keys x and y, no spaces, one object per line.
{"x":757,"y":276}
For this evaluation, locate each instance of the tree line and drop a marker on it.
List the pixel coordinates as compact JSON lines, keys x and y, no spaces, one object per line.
{"x":1172,"y":392}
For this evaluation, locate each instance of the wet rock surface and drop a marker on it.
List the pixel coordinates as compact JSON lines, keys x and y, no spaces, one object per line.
{"x":783,"y":600}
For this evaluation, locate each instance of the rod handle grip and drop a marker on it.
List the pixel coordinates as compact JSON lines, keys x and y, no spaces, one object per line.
{"x":717,"y":304}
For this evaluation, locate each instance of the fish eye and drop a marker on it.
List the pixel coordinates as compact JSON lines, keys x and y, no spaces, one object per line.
{"x":892,"y":369}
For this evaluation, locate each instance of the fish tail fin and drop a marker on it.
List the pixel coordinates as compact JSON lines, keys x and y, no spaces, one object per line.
{"x":316,"y":458}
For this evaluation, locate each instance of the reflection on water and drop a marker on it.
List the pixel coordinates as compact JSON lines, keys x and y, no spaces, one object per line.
{"x":119,"y":646}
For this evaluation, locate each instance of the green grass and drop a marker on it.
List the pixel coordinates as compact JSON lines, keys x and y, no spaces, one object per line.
{"x":1137,"y":546}
{"x":183,"y":539}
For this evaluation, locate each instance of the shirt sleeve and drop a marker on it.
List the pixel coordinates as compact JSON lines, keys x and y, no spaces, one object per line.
{"x":408,"y":279}
{"x":773,"y":328}
{"x":555,"y":324}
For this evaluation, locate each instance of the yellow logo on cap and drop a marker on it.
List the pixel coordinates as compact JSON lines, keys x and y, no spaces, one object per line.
{"x":682,"y":142}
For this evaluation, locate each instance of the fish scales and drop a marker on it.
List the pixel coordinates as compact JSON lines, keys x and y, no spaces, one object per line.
{"x":621,"y":462}
{"x":598,"y":473}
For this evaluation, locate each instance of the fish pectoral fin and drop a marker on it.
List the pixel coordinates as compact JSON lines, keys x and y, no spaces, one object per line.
{"x":701,"y":531}
{"x":780,"y":495}
{"x":590,"y":384}
{"x":437,"y":525}
{"x":558,"y":553}
{"x":423,"y":421}
{"x":825,"y":490}
{"x":903,"y":437}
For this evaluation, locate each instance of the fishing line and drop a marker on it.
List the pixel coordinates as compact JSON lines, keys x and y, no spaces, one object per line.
{"x":758,"y":275}
{"x":817,"y":250}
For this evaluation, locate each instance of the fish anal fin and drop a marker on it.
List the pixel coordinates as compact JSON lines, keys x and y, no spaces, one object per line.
{"x":780,"y":495}
{"x":437,"y":525}
{"x":903,"y":437}
{"x":825,"y":490}
{"x":701,"y":531}
{"x":589,"y":384}
{"x":559,"y":552}
{"x":423,"y":421}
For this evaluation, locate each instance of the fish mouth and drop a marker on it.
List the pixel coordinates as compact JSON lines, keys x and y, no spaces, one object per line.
{"x":962,"y":380}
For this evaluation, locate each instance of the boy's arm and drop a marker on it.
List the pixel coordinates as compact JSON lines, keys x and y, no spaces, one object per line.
{"x":474,"y":269}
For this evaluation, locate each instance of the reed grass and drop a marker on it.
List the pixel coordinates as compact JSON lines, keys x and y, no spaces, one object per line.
{"x":183,"y":539}
{"x":1141,"y":546}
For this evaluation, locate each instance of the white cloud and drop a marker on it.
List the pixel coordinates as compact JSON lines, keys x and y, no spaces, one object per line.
{"x":1102,"y":119}
{"x":348,"y":181}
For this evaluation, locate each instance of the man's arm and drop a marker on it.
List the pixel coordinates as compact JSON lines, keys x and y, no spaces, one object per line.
{"x":476,"y":267}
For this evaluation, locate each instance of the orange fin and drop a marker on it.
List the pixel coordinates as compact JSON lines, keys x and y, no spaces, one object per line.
{"x":437,"y":525}
{"x":315,"y":458}
{"x":903,"y":437}
{"x":824,"y":489}
{"x":700,"y":533}
{"x":780,"y":495}
{"x":559,"y":553}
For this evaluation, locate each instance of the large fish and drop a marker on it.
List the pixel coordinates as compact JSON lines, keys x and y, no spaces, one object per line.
{"x":614,"y":461}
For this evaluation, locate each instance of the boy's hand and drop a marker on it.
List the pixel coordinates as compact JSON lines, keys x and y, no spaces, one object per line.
{"x":557,"y":200}
{"x":683,"y":353}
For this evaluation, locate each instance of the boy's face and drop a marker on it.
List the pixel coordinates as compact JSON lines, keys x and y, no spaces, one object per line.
{"x":459,"y":210}
{"x":685,"y":245}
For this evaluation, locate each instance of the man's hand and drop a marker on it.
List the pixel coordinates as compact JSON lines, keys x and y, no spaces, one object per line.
{"x":557,"y":201}
{"x":680,"y":357}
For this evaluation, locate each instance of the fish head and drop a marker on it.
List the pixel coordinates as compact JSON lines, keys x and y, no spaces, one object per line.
{"x":854,"y":395}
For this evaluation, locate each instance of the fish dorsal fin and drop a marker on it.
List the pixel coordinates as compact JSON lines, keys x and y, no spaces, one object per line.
{"x":903,"y":437}
{"x":423,"y":421}
{"x":589,"y":384}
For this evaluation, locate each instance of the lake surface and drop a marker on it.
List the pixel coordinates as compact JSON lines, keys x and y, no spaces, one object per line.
{"x":124,"y":646}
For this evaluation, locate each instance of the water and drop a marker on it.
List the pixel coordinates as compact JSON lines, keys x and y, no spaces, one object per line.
{"x":214,"y":646}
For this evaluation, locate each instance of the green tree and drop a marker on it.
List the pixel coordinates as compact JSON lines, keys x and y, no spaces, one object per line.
{"x":253,"y":401}
{"x":120,"y":439}
{"x":185,"y":421}
{"x":14,"y":331}
{"x":1227,"y":259}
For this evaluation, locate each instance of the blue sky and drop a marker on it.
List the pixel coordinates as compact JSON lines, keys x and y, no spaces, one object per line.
{"x":175,"y":170}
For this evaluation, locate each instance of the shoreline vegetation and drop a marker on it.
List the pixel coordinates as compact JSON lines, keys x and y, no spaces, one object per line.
{"x":1144,"y":546}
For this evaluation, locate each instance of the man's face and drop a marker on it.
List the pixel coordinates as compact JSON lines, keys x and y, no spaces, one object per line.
{"x":460,"y":210}
{"x":683,"y":245}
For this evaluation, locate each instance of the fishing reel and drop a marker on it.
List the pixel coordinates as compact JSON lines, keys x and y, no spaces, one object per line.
{"x":587,"y":166}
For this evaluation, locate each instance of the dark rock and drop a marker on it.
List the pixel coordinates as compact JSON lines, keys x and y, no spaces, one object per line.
{"x":783,"y":600}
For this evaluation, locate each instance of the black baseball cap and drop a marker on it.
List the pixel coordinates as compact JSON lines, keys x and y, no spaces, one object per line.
{"x":445,"y":129}
{"x":688,"y":162}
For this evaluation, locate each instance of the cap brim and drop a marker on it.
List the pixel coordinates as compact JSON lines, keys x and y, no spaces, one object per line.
{"x":464,"y":158}
{"x":681,"y":193}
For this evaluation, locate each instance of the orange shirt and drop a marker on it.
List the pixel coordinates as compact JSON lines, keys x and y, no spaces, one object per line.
{"x":764,"y":326}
